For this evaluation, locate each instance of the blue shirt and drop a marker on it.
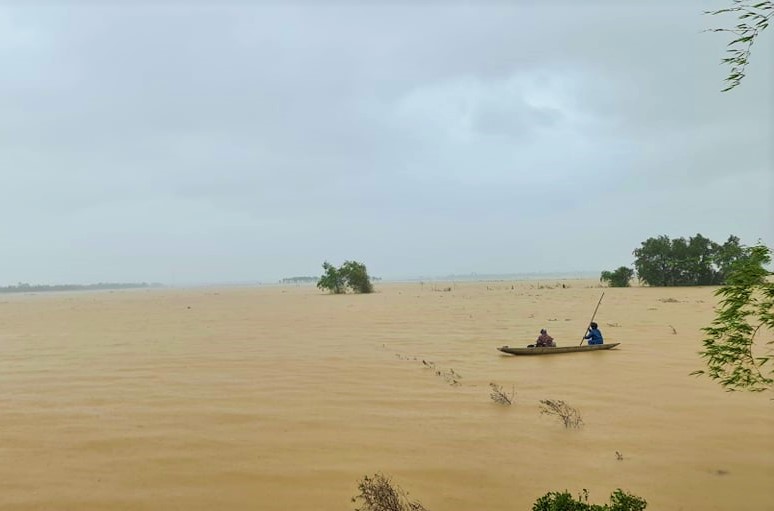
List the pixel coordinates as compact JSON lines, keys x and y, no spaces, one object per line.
{"x":594,"y":336}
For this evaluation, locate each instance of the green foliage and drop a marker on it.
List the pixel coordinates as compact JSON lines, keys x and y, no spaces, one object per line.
{"x":332,"y":279}
{"x":753,"y":19}
{"x":697,"y":261}
{"x":350,"y":275}
{"x":746,"y":310}
{"x":357,"y":277}
{"x":617,"y":278}
{"x":564,"y":501}
{"x":379,"y":493}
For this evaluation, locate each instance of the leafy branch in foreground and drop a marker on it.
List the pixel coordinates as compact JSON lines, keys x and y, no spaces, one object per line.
{"x":744,"y":314}
{"x":753,"y":19}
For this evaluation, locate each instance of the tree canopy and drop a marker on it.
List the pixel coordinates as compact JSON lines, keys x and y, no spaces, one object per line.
{"x":618,"y":278}
{"x":697,"y":261}
{"x":351,"y":275}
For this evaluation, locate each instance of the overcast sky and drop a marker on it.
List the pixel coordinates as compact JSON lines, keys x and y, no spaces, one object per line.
{"x":192,"y":142}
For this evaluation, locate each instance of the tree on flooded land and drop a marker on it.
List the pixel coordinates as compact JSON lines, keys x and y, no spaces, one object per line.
{"x":617,"y":278}
{"x":735,"y":354}
{"x":753,"y":18}
{"x":332,"y":279}
{"x":697,"y":261}
{"x":357,"y":277}
{"x":351,"y":275}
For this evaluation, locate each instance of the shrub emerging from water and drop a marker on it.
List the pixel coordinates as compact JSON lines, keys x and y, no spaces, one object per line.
{"x":357,"y":277}
{"x":500,"y":396}
{"x":617,"y":278}
{"x":564,"y":501}
{"x":350,"y":275}
{"x":332,"y":279}
{"x":570,"y":416}
{"x":378,"y":493}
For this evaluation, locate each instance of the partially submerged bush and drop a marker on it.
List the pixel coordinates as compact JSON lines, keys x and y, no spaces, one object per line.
{"x":351,"y":275}
{"x":378,"y":493}
{"x":564,"y":501}
{"x":570,"y":416}
{"x":617,"y":278}
{"x":501,"y":397}
{"x":668,"y":300}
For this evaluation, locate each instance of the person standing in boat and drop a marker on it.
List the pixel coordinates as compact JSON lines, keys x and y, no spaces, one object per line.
{"x":594,"y":336}
{"x":544,"y":340}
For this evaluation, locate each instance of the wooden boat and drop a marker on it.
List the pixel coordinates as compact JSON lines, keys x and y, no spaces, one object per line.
{"x":560,"y":349}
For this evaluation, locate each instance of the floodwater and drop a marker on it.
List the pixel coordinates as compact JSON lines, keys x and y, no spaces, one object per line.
{"x":280,"y":398}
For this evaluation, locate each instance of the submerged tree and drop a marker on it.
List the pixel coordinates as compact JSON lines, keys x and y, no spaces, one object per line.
{"x":332,"y":280}
{"x":350,"y":275}
{"x":735,"y":356}
{"x":696,"y":261}
{"x":617,"y":278}
{"x":357,"y":278}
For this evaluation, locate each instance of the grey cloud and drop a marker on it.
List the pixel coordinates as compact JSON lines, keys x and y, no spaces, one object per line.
{"x":450,"y":136}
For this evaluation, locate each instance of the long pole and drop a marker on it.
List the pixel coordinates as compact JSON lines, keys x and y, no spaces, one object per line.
{"x":592,"y":318}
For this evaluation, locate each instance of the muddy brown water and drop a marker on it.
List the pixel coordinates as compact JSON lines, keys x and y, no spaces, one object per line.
{"x":280,"y":398}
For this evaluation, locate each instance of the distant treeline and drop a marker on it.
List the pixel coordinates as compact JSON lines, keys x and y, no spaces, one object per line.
{"x":298,"y":280}
{"x":696,"y":261}
{"x":23,"y":287}
{"x":309,"y":280}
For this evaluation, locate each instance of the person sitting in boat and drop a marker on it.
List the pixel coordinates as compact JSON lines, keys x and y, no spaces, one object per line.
{"x":594,"y":336}
{"x":544,"y":340}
